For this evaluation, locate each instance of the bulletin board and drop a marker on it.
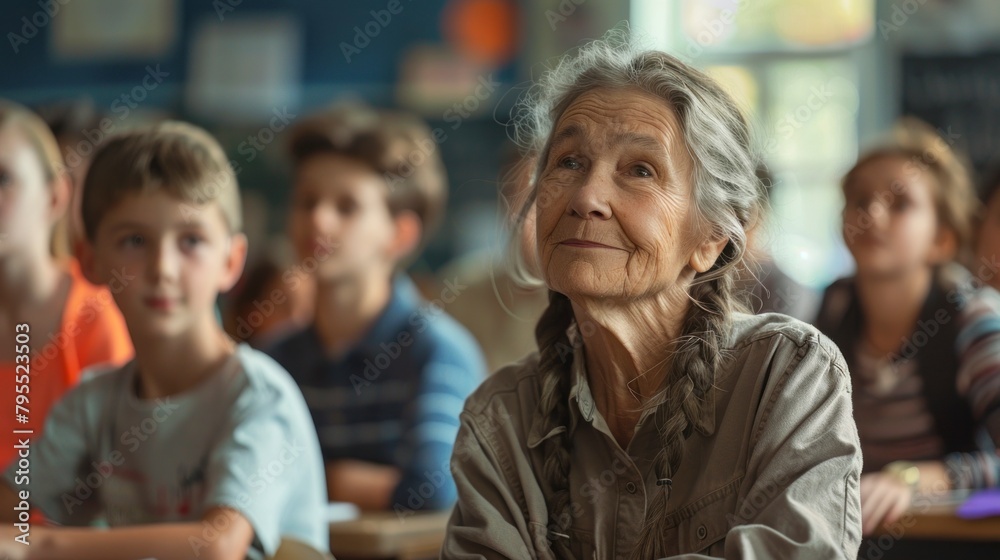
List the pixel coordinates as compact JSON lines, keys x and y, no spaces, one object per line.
{"x":960,"y":95}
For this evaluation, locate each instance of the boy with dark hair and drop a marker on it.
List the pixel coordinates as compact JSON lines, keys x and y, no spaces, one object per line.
{"x":385,"y":374}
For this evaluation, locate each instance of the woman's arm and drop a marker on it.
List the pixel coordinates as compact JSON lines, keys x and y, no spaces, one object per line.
{"x":800,"y":497}
{"x":487,"y":522}
{"x":222,"y":534}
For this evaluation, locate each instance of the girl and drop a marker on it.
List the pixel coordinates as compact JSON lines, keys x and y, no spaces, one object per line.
{"x":987,"y":262}
{"x":921,"y":338}
{"x":70,"y":323}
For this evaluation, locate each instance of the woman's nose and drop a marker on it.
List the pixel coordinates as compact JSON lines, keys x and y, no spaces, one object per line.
{"x":590,"y":200}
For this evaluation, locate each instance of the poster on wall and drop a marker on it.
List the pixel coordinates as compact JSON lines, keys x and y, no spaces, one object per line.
{"x":146,"y":29}
{"x":244,"y":69}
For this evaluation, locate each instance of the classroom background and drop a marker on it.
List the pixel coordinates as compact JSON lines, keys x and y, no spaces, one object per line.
{"x":820,"y":79}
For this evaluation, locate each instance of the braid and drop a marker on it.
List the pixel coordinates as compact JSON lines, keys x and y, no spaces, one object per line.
{"x":554,"y":365}
{"x":726,"y":196}
{"x":691,"y":378}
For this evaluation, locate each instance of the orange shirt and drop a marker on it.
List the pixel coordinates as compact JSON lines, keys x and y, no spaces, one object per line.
{"x":91,"y":331}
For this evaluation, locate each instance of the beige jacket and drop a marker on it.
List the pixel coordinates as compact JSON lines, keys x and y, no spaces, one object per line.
{"x":776,"y":476}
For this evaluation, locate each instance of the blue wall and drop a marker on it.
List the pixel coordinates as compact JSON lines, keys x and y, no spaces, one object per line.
{"x":472,"y":152}
{"x":30,"y":75}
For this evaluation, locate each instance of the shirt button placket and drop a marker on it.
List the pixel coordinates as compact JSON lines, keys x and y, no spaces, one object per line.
{"x":630,"y":507}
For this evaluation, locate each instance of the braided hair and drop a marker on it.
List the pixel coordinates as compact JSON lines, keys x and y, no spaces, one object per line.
{"x":728,"y":199}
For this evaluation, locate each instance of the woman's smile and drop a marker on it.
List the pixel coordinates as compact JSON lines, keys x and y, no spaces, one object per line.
{"x":584,"y":244}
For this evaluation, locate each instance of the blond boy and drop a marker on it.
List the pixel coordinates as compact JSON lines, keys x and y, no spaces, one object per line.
{"x":199,"y":448}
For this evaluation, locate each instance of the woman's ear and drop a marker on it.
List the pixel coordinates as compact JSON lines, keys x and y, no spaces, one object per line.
{"x":705,"y":255}
{"x":236,"y":259}
{"x":406,"y":238}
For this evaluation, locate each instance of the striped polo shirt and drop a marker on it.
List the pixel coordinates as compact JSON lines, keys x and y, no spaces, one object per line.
{"x":393,"y":399}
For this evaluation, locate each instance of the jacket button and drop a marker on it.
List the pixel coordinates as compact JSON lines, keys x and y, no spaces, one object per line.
{"x":702,"y":532}
{"x":630,"y":486}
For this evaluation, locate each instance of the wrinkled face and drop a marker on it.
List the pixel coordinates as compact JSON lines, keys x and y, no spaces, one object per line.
{"x":340,"y":221}
{"x":165,"y":261}
{"x":26,"y":213}
{"x":890,"y":219}
{"x":614,"y":208}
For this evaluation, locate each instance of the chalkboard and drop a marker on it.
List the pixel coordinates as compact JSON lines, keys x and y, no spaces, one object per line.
{"x":959,"y":94}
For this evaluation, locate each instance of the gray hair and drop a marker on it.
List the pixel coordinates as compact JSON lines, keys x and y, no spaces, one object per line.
{"x":727,"y":192}
{"x":728,"y":197}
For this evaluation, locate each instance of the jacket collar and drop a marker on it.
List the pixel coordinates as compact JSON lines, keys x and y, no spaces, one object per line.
{"x":542,"y":428}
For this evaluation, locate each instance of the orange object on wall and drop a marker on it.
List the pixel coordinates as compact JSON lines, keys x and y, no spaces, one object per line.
{"x":484,"y":30}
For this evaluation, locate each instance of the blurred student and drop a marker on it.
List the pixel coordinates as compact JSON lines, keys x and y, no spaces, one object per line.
{"x":78,"y":129}
{"x":69,"y":323}
{"x":986,"y":263}
{"x":921,"y":340}
{"x":269,"y":303}
{"x":499,"y":307}
{"x":385,"y":373}
{"x":198,"y":447}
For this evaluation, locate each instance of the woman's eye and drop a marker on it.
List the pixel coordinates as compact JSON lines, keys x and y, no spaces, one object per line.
{"x":4,"y":178}
{"x":641,"y":171}
{"x":569,"y":163}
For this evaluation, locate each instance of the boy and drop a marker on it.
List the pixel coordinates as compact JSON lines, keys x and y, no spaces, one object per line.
{"x":201,"y":447}
{"x":385,"y":374}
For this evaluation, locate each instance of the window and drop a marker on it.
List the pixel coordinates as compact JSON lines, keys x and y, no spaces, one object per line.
{"x":791,"y":65}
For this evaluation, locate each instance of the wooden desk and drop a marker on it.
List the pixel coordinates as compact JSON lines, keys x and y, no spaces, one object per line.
{"x":932,"y":531}
{"x":941,"y":523}
{"x":385,"y":535}
{"x":936,"y":520}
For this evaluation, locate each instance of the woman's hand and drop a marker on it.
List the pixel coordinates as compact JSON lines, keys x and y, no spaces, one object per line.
{"x":884,"y":499}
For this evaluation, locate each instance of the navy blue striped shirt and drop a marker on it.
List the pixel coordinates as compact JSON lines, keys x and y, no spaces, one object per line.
{"x":393,"y":399}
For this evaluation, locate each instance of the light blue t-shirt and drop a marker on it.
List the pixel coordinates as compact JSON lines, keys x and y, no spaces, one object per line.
{"x":242,"y":438}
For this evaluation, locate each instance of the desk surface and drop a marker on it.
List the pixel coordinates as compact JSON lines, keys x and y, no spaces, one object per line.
{"x":387,"y":535}
{"x":937,"y":521}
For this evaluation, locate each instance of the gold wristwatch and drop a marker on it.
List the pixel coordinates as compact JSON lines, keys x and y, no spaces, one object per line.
{"x":905,"y":472}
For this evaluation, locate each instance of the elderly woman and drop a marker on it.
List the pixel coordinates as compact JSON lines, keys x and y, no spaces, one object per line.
{"x":654,"y":420}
